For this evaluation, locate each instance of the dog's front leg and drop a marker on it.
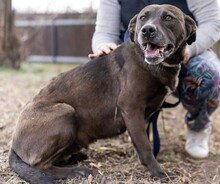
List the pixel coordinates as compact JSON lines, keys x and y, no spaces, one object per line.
{"x":136,"y":126}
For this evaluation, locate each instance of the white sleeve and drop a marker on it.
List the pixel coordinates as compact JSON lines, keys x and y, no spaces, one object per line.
{"x":108,"y":23}
{"x":207,"y":15}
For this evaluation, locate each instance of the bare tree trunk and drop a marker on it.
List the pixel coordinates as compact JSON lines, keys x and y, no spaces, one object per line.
{"x":9,"y":44}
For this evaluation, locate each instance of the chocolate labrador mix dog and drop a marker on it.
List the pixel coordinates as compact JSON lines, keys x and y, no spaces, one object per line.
{"x":103,"y":98}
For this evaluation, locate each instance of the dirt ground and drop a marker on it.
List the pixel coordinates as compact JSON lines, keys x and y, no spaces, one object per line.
{"x":113,"y":160}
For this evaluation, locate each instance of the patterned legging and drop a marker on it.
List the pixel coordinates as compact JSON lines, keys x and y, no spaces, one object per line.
{"x":200,"y":89}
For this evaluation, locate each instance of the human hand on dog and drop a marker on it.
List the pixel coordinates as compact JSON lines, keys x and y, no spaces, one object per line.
{"x":186,"y":56}
{"x":106,"y":49}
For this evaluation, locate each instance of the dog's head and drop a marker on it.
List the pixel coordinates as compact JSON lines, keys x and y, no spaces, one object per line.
{"x":160,"y":30}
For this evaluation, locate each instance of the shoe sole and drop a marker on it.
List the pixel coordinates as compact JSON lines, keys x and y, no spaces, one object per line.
{"x":196,"y":157}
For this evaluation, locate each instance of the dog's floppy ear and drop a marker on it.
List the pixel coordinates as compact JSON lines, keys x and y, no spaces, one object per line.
{"x":190,"y":26}
{"x":131,"y":27}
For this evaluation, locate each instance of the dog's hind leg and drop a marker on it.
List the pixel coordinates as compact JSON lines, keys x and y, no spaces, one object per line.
{"x":43,"y":135}
{"x":64,"y":145}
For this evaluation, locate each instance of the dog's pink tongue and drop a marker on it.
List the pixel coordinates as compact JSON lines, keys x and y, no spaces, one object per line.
{"x":153,"y":51}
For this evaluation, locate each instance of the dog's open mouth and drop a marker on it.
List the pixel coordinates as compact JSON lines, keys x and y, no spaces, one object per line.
{"x":155,"y":54}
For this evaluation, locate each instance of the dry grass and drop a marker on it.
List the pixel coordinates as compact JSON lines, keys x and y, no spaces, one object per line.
{"x":114,"y":160}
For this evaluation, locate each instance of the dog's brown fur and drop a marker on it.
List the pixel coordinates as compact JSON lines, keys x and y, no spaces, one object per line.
{"x":101,"y":99}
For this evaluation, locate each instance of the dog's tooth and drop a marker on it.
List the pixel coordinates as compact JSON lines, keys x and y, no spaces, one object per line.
{"x":161,"y":49}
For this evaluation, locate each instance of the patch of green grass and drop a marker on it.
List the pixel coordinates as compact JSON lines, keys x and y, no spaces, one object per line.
{"x":40,"y":68}
{"x":45,"y":69}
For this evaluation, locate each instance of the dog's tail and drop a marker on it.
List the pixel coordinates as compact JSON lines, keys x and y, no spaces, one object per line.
{"x":26,"y":172}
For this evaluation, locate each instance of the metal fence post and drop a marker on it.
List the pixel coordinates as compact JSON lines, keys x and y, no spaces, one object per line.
{"x":53,"y":40}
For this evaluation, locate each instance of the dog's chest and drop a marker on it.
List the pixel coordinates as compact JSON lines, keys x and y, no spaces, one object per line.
{"x":168,"y":77}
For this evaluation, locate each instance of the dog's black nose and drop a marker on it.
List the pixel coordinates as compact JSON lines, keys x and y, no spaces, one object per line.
{"x":149,"y":30}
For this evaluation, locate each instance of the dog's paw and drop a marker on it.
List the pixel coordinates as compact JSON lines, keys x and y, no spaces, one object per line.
{"x":164,"y":176}
{"x":171,"y":175}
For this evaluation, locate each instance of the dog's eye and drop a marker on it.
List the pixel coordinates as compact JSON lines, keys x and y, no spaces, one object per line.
{"x":142,"y":17}
{"x":168,"y":18}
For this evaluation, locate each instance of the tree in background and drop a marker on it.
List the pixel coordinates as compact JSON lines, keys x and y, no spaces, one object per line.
{"x":9,"y":43}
